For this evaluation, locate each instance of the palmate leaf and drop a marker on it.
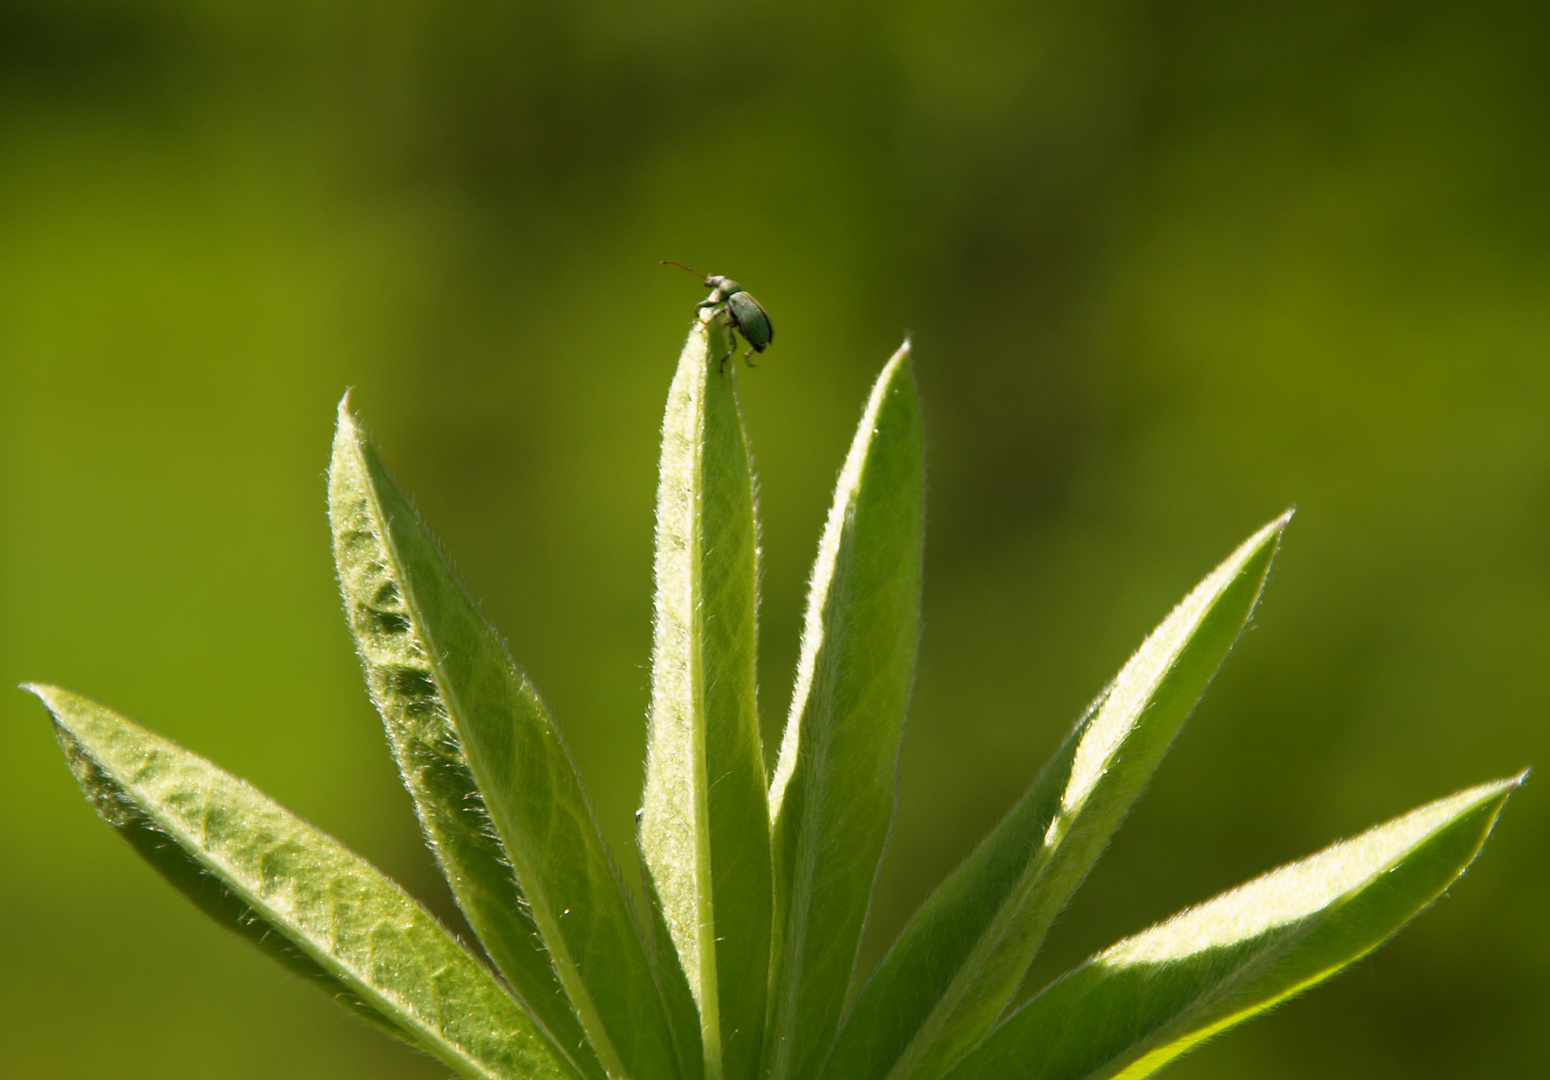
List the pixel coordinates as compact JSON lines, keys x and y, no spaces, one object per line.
{"x":302,"y":897}
{"x":446,"y":686}
{"x":704,"y":830}
{"x":1141,"y":1003}
{"x":833,"y":794}
{"x":961,"y":957}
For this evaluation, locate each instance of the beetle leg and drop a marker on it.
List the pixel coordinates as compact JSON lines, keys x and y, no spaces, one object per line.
{"x":721,"y":365}
{"x":746,"y":356}
{"x":732,"y":317}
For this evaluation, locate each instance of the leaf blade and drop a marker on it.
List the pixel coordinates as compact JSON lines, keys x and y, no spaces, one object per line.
{"x":1144,"y":1001}
{"x":450,"y":661}
{"x":833,"y":794}
{"x":264,"y":873}
{"x":705,"y":821}
{"x":962,"y":955}
{"x":682,"y":1011}
{"x":430,"y":757}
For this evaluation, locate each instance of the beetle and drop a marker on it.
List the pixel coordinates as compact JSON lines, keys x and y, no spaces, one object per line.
{"x":743,"y":310}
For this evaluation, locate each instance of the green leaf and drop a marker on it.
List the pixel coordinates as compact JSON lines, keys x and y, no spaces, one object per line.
{"x":299,"y":895}
{"x":833,"y":794}
{"x":705,"y":828}
{"x":961,"y":957}
{"x":446,"y":685}
{"x":430,"y":755}
{"x":683,"y":1015}
{"x":1140,"y":1004}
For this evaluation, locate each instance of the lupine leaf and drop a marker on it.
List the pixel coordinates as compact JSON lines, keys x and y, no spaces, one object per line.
{"x":443,"y":666}
{"x":683,"y":1015}
{"x":299,"y":895}
{"x":705,"y":829}
{"x":961,"y":957}
{"x":832,"y":799}
{"x":430,"y":756}
{"x":1143,"y":1002}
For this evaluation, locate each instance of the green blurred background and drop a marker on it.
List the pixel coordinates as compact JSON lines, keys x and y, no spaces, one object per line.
{"x":1169,"y":268}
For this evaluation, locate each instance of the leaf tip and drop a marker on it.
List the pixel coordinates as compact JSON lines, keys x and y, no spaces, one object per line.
{"x":897,"y":373}
{"x":1492,"y":789}
{"x":56,"y":700}
{"x":1273,"y":530}
{"x":1261,"y":549}
{"x":1253,"y":557}
{"x":346,"y":417}
{"x":351,"y":440}
{"x":43,"y":692}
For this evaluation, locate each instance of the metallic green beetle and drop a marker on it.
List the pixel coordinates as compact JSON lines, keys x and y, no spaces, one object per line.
{"x":743,"y":310}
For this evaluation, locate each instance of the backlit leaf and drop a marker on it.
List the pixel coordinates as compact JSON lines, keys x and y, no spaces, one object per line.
{"x":300,"y":896}
{"x":1141,"y":1003}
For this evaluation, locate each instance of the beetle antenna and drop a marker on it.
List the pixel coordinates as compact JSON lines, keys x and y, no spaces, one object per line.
{"x":681,"y":266}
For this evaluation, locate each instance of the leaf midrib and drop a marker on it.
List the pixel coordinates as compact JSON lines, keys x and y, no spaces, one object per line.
{"x":704,"y":895}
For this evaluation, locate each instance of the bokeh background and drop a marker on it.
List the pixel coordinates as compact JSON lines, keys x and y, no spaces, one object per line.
{"x":1170,"y":267}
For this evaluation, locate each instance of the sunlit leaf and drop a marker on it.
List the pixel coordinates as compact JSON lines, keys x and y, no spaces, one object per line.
{"x":683,"y":1014}
{"x":832,"y":799}
{"x":452,"y":697}
{"x":961,"y":957}
{"x":302,"y":897}
{"x":1138,"y":1005}
{"x":705,"y":828}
